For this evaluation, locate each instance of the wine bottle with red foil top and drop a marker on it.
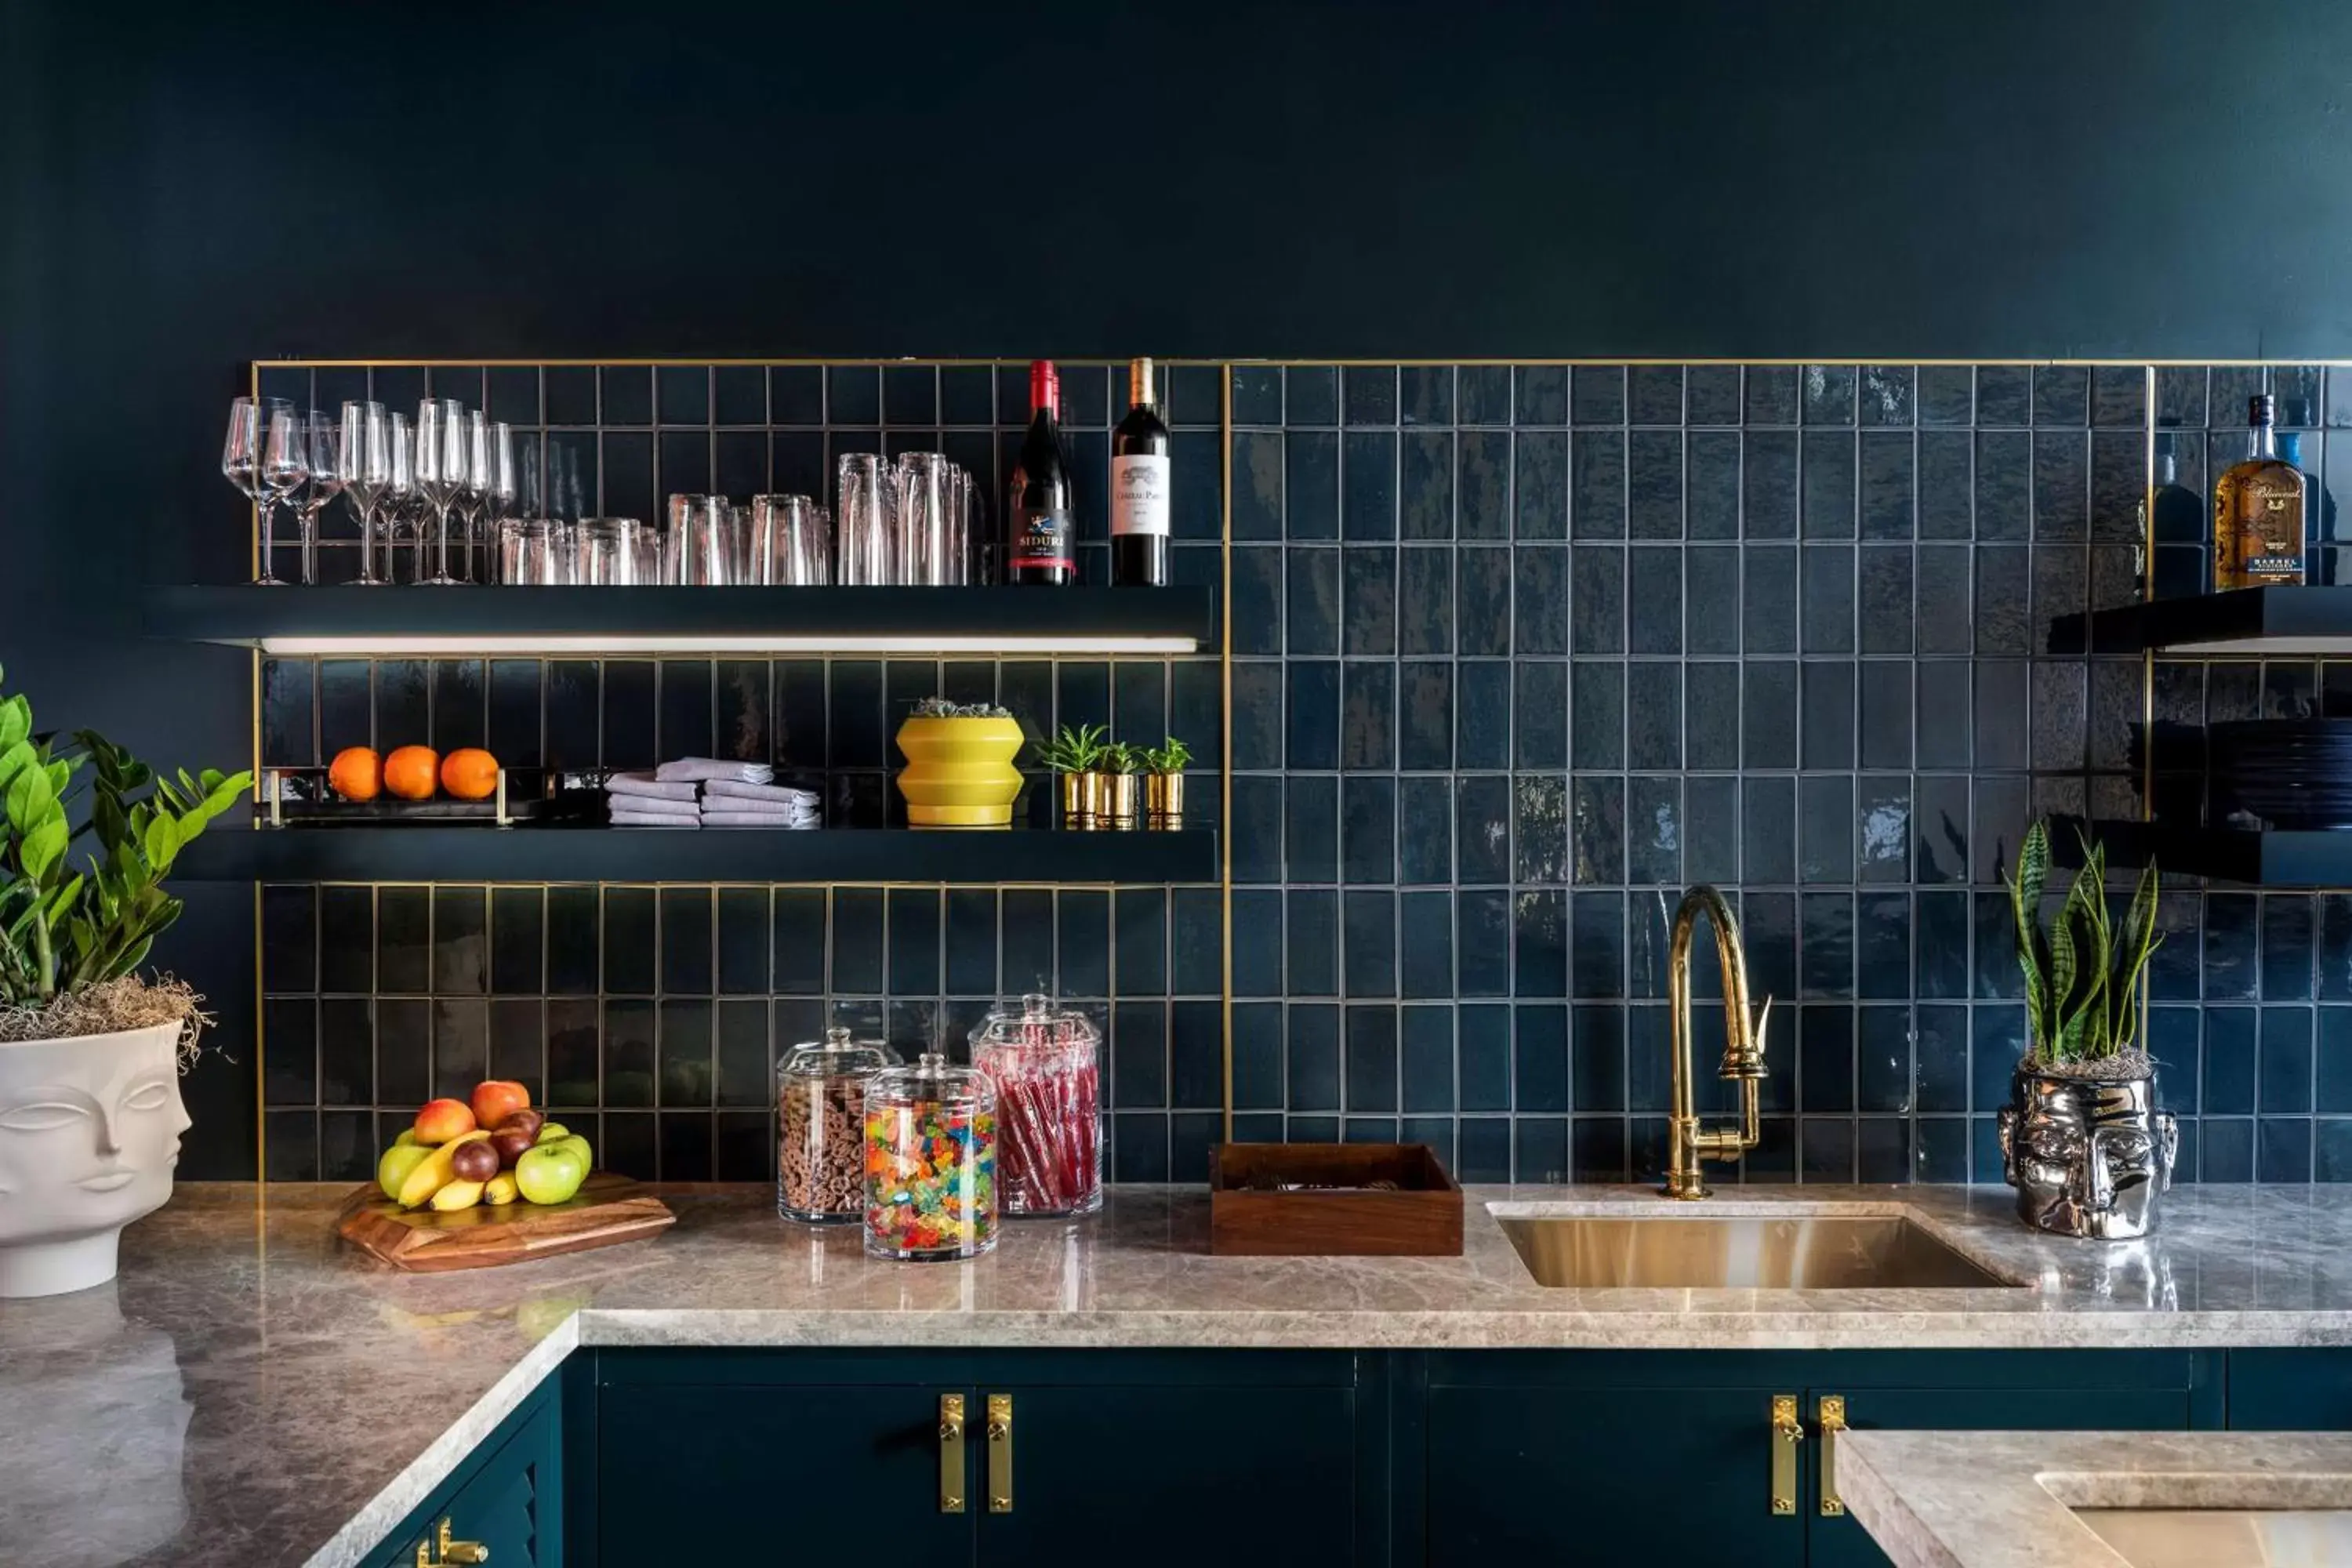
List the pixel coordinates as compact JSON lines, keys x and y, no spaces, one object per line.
{"x":1040,"y":547}
{"x":1138,"y":488}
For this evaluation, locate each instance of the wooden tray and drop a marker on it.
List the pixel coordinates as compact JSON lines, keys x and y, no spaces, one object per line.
{"x":609,"y":1209}
{"x":1340,"y":1214}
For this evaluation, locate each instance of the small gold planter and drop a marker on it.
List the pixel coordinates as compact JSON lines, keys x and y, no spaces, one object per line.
{"x":1163,"y":800}
{"x":1086,"y":801}
{"x":1125,"y":791}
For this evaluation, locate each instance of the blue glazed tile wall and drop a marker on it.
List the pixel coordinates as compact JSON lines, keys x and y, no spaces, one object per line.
{"x":1518,"y":651}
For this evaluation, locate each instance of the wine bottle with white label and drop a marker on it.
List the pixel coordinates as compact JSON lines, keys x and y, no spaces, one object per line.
{"x":1138,"y":488}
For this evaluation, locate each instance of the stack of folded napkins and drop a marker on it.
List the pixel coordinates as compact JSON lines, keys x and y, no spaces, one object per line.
{"x":642,"y":800}
{"x":705,"y":792}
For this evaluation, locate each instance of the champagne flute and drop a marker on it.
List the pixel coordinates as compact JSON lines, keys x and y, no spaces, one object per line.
{"x":496,"y":483}
{"x":285,"y":465}
{"x":469,"y":490}
{"x":321,"y":451}
{"x":441,"y":469}
{"x":399,"y":492}
{"x":363,"y":457}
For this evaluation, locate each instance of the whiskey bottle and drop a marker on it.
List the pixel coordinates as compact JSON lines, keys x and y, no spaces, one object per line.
{"x":2258,"y":511}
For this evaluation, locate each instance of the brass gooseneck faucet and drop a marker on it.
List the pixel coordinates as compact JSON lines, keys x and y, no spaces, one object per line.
{"x":1687,"y":1143}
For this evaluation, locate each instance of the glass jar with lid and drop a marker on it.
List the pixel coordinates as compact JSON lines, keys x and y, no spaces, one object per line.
{"x":931,"y":1161}
{"x":821,"y":1126}
{"x":1044,"y":1062}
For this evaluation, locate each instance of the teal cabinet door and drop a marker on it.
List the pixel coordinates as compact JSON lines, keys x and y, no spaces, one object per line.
{"x":507,"y":1498}
{"x":1167,"y":1477}
{"x":1839,"y":1542}
{"x":1603,"y":1476}
{"x":696,"y":1473}
{"x":2291,"y":1391}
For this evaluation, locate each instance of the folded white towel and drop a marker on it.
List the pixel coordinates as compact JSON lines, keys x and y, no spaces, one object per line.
{"x":758,"y":807}
{"x":697,"y":769}
{"x":653,"y":819}
{"x":734,"y":789}
{"x":641,"y":806}
{"x":758,"y":819}
{"x":645,"y":785}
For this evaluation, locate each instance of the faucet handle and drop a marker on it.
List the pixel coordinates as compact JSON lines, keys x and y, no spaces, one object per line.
{"x":1743,"y":1052}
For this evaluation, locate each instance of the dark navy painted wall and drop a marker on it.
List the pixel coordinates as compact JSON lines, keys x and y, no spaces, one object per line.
{"x":1842,"y":180}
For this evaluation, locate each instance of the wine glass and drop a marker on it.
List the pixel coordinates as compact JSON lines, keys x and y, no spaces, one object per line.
{"x":441,"y":470}
{"x":285,"y":465}
{"x":244,"y":463}
{"x":470,"y":497}
{"x":399,"y":494}
{"x":363,"y":459}
{"x":321,"y":444}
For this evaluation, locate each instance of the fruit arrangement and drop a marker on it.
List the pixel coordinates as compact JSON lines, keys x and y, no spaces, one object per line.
{"x":493,"y":1149}
{"x":412,"y":772}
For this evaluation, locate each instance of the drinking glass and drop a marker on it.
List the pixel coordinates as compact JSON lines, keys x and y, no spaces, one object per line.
{"x":245,"y":462}
{"x":441,"y":470}
{"x":285,"y":465}
{"x":401,"y":515}
{"x":707,"y":543}
{"x":467,"y":503}
{"x":864,"y":519}
{"x":322,"y":456}
{"x":525,"y":551}
{"x":495,"y":483}
{"x":922,"y":534}
{"x":363,"y":459}
{"x":613,"y":553}
{"x":681,"y":510}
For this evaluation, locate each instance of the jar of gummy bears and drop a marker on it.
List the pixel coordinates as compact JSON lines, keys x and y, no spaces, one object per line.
{"x":931,"y":1161}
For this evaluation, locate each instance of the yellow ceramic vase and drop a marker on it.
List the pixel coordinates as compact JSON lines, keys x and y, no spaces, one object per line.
{"x":960,"y":772}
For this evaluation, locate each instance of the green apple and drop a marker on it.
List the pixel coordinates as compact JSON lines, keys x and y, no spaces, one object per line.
{"x":403,"y":1156}
{"x":551,"y":1173}
{"x":549,"y":1132}
{"x":407,"y":1138}
{"x":575,"y":1142}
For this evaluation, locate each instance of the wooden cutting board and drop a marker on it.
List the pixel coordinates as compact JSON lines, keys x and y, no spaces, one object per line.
{"x":608,"y":1209}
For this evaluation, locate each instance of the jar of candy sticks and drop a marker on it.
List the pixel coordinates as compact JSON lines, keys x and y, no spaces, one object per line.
{"x":931,"y":1161}
{"x":1045,"y":1063}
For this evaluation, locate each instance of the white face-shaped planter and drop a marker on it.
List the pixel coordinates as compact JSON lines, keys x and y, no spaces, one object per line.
{"x":89,"y":1131}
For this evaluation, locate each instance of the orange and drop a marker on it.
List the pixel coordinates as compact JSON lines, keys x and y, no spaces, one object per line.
{"x":356,"y":774}
{"x":408,"y":773}
{"x":469,"y":775}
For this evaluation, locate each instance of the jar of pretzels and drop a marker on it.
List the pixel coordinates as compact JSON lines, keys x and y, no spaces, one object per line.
{"x":821,"y":1127}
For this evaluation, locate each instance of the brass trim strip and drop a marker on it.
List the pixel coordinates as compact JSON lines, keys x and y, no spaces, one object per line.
{"x":1225,"y":750}
{"x":461,"y":362}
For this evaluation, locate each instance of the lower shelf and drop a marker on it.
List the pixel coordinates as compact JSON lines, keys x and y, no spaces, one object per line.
{"x":416,"y":853}
{"x":2260,"y":860}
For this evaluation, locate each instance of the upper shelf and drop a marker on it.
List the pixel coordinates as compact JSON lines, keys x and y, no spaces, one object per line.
{"x":2250,"y":623}
{"x":411,"y":620}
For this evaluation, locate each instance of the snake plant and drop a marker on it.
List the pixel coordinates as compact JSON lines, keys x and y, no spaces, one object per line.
{"x":2082,"y":977}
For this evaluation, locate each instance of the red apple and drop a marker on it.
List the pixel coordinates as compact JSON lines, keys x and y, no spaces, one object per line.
{"x":497,"y":1099}
{"x":511,"y":1143}
{"x":443,"y":1120}
{"x":476,"y":1161}
{"x":528,"y":1122}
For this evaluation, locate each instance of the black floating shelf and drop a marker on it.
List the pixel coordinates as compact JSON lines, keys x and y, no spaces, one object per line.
{"x":416,"y":854}
{"x":972,"y":618}
{"x":2260,"y":860}
{"x":2251,"y":622}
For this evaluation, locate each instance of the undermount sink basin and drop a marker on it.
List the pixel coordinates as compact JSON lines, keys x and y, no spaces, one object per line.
{"x":1797,"y":1252}
{"x":2222,"y":1537}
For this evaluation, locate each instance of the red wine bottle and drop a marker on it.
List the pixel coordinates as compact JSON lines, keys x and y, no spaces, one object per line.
{"x":1038,"y":545}
{"x":1138,"y":488}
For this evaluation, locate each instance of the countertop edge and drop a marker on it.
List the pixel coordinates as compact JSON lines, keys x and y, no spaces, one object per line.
{"x":367,"y":1530}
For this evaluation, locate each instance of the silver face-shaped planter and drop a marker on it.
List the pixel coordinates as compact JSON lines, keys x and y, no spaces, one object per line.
{"x":2086,"y":1155}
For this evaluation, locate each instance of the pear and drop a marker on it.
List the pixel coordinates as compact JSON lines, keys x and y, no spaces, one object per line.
{"x":454,"y":1195}
{"x":500,"y":1190}
{"x":433,"y":1172}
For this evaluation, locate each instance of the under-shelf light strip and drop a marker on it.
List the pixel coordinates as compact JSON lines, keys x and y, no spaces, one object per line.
{"x":476,"y":645}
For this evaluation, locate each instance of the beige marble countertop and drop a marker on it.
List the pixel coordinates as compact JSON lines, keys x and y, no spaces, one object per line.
{"x":251,"y":1393}
{"x":2007,"y":1499}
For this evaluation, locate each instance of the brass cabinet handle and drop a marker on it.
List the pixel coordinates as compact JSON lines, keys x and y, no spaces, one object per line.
{"x":1833,"y":1418}
{"x":999,"y":1453}
{"x":951,"y":1469}
{"x":456,"y":1554}
{"x":1787,"y":1433}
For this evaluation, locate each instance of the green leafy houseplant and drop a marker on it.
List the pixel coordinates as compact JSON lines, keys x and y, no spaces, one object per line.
{"x":1124,"y":757}
{"x":1079,"y":748}
{"x":69,"y":928}
{"x":2082,"y":977}
{"x":1171,"y":756}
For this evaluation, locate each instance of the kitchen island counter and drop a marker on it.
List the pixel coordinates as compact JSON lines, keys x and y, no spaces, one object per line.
{"x":251,"y":1391}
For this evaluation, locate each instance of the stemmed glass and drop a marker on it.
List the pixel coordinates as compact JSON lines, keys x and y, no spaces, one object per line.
{"x":469,"y":500}
{"x":441,"y":473}
{"x":363,"y":457}
{"x":263,"y":456}
{"x":321,"y":442}
{"x":494,"y":480}
{"x":400,"y":491}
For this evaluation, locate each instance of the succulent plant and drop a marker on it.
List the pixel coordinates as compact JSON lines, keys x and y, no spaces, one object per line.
{"x":941,"y":708}
{"x":1079,"y":748}
{"x":1171,"y":756}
